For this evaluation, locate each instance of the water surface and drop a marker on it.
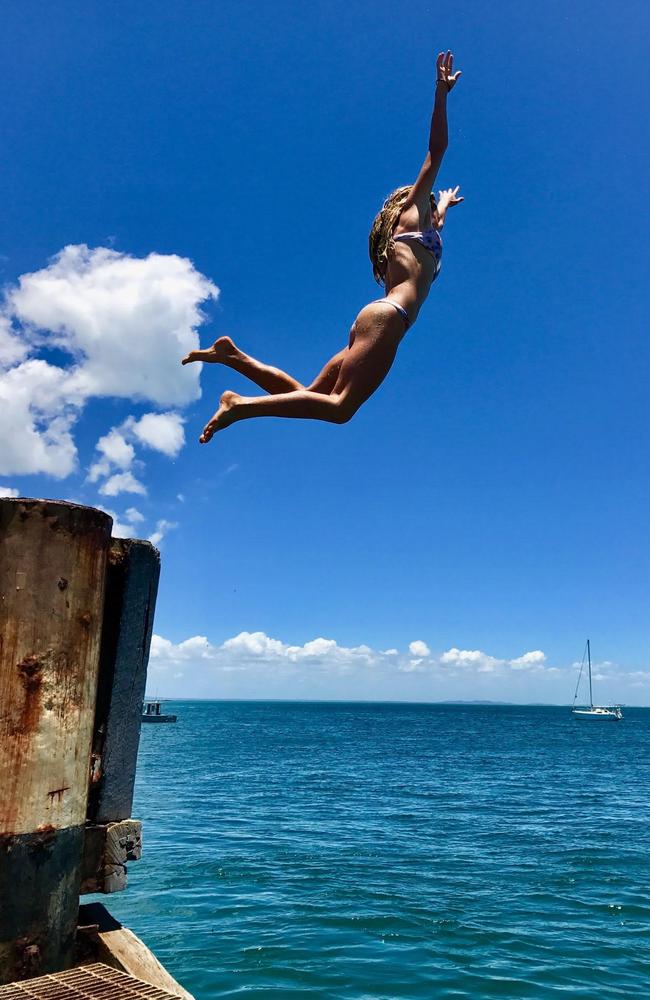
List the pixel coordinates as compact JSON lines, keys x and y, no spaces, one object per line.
{"x":394,"y":851}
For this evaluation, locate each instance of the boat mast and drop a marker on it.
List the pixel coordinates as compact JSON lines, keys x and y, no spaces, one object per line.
{"x":591,"y":697}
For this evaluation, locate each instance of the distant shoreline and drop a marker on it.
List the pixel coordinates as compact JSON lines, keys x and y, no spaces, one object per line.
{"x":360,"y":701}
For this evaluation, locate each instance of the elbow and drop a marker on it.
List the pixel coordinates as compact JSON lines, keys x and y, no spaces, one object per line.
{"x":438,"y":148}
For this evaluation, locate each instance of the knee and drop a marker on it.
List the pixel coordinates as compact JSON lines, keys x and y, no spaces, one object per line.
{"x":343,"y":412}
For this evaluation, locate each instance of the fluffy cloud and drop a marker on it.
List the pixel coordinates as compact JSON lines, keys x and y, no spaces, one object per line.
{"x":122,"y":482}
{"x":257,"y":646}
{"x":125,"y":527}
{"x":471,"y":658}
{"x":484,"y":663}
{"x":533,"y":659}
{"x":38,"y":407}
{"x":12,"y":348}
{"x":161,"y":431}
{"x":123,"y":322}
{"x":162,"y":527}
{"x":256,"y":665}
{"x":9,"y":491}
{"x":114,"y":451}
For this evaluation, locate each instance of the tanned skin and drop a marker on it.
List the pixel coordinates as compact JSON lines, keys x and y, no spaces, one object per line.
{"x":351,"y":376}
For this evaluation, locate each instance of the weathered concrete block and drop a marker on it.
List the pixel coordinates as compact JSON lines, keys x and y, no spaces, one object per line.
{"x":131,"y":590}
{"x":107,"y":848}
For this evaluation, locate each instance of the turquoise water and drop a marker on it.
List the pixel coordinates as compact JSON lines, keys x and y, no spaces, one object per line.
{"x":390,"y":851}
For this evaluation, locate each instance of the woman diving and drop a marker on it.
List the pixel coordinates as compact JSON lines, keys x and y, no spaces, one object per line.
{"x":405,"y":250}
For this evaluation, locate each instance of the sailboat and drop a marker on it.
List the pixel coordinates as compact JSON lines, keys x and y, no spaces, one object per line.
{"x":594,"y":711}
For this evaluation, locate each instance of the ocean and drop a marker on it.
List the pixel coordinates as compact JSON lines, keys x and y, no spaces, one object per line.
{"x":362,"y":851}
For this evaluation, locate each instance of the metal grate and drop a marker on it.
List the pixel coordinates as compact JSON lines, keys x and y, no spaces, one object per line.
{"x":87,"y":982}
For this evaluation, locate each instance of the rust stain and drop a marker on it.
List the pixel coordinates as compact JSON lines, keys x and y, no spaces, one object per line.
{"x":47,"y":646}
{"x":30,"y":670}
{"x":57,"y":793}
{"x":30,"y":667}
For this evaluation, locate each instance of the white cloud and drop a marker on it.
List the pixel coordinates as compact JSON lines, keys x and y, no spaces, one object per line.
{"x":115,"y":451}
{"x":124,"y":323}
{"x":12,"y":348}
{"x":484,"y":663}
{"x":533,"y":659}
{"x":162,"y":527}
{"x":161,"y":431}
{"x":256,"y":665}
{"x":9,"y":491}
{"x":122,"y":482}
{"x":126,"y":527}
{"x":474,"y":658}
{"x":419,"y":648}
{"x":257,"y":648}
{"x":129,"y":319}
{"x":412,"y":666}
{"x":38,"y":407}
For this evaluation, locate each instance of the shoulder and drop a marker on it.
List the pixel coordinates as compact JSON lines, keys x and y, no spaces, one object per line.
{"x":414,"y":217}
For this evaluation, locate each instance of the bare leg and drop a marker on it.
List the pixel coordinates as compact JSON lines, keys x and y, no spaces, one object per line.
{"x":225,"y":352}
{"x":364,"y":365}
{"x":274,"y":380}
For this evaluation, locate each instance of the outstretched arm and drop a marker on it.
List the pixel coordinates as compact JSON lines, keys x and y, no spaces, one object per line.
{"x":445,"y":200}
{"x":438,"y":137}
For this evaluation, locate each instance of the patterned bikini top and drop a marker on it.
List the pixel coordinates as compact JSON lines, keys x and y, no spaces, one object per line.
{"x":430,"y":240}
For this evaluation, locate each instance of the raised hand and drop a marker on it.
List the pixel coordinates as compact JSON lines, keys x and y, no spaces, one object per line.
{"x":449,"y":197}
{"x":444,"y":69}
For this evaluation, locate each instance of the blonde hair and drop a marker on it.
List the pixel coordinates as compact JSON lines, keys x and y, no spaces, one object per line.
{"x":380,"y":241}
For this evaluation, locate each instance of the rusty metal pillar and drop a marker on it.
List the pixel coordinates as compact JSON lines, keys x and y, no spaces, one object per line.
{"x":52,"y":576}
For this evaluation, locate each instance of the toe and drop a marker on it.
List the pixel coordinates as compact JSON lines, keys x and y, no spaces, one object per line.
{"x":208,"y":432}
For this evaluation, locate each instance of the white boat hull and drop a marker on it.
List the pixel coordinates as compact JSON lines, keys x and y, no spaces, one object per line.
{"x":598,"y":713}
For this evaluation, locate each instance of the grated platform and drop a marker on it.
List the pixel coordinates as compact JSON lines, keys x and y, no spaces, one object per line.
{"x":86,"y":982}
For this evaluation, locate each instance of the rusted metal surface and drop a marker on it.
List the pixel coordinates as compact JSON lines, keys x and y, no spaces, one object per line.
{"x":39,"y":895}
{"x":131,"y":589}
{"x":88,"y":982}
{"x":52,"y":573}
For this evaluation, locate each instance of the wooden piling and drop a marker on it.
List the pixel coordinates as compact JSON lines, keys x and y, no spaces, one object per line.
{"x":52,"y":574}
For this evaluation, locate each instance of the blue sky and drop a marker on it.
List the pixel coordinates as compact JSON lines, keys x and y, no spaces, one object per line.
{"x":492,"y":497}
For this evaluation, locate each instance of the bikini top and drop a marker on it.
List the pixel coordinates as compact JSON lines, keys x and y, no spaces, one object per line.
{"x":430,"y":240}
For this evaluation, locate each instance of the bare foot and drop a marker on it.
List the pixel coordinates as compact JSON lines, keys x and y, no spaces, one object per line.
{"x":222,"y":351}
{"x":222,"y":417}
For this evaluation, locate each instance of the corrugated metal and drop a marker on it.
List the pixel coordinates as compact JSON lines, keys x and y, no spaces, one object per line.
{"x":87,"y":982}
